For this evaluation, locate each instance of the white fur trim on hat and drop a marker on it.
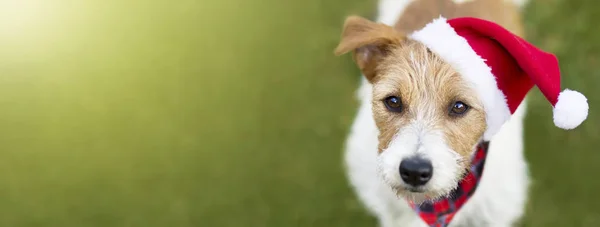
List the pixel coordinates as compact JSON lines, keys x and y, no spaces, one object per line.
{"x":570,"y":110}
{"x":443,"y":40}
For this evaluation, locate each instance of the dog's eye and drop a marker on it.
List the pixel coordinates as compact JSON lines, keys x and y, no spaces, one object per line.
{"x":393,"y":104}
{"x":458,"y":108}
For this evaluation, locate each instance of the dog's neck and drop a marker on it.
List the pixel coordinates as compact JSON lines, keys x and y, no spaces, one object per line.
{"x":440,"y":213}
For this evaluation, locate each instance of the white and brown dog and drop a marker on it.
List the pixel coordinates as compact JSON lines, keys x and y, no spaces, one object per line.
{"x":430,"y":105}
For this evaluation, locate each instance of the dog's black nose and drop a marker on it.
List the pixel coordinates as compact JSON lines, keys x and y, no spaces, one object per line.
{"x":416,"y":171}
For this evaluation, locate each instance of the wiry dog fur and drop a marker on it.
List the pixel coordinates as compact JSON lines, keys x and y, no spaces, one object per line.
{"x":428,"y":87}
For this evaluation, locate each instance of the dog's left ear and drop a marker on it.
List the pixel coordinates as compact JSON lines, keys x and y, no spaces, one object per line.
{"x":369,"y":41}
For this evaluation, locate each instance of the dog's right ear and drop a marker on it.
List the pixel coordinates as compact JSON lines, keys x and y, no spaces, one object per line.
{"x":369,"y":42}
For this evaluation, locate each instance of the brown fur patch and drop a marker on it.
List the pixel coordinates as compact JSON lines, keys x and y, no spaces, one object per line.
{"x":420,"y":12}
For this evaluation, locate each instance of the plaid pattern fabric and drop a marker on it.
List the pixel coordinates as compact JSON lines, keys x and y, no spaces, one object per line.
{"x":441,"y":212}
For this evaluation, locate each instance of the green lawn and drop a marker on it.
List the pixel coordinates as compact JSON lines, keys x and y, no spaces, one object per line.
{"x":230,"y":113}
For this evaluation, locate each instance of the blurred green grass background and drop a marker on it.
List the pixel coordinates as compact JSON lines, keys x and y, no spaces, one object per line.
{"x":230,"y":113}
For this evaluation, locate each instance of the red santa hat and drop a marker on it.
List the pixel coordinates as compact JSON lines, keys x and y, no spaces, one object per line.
{"x":502,"y":68}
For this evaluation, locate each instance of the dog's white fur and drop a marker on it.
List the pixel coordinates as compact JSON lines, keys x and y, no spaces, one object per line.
{"x":500,"y":198}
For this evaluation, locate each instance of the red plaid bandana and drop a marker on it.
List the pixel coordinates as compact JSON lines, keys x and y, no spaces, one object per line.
{"x":441,"y":212}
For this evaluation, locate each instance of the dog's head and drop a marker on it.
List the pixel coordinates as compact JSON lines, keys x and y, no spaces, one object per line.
{"x":429,"y":118}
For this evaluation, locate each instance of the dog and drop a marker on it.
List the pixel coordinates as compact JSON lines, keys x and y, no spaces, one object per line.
{"x":396,"y":153}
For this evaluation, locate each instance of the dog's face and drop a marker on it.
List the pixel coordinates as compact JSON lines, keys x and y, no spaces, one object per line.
{"x":429,"y":118}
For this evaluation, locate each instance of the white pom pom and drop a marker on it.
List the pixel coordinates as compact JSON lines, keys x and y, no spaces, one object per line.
{"x":570,"y":110}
